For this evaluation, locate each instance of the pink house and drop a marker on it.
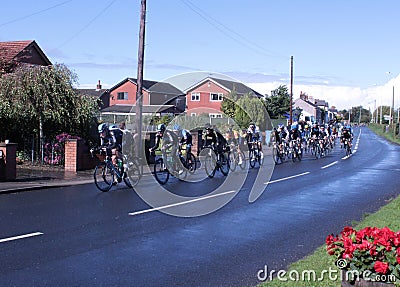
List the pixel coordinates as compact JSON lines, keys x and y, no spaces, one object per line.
{"x":206,"y":96}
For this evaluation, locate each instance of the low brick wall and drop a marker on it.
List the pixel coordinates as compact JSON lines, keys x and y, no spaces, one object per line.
{"x":77,"y":156}
{"x":8,"y":162}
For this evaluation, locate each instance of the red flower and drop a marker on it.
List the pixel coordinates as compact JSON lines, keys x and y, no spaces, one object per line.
{"x":348,"y":231}
{"x":381,"y":267}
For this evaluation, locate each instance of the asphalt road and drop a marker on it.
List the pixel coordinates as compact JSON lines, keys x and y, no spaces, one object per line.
{"x":78,"y":236}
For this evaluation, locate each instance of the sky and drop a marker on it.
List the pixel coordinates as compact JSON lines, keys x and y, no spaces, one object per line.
{"x":344,"y":51}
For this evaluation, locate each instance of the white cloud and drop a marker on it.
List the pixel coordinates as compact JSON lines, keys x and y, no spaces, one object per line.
{"x":342,"y":97}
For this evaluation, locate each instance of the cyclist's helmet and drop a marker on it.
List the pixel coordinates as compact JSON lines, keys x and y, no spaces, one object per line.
{"x":102,"y":128}
{"x":293,"y":127}
{"x":176,"y":128}
{"x":161,"y":128}
{"x":252,"y":126}
{"x":113,"y":127}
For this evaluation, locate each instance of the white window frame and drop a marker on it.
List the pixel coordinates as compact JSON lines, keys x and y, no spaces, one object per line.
{"x":195,"y":97}
{"x":215,"y":116}
{"x":219,"y":95}
{"x":125,"y":97}
{"x":193,"y":114}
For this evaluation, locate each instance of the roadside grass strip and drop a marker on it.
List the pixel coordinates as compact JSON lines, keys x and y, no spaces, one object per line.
{"x":320,"y":261}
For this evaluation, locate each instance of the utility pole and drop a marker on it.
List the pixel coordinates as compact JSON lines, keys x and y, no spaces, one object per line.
{"x":139,"y":80}
{"x":393,"y":122}
{"x":291,"y":91}
{"x":376,"y":114}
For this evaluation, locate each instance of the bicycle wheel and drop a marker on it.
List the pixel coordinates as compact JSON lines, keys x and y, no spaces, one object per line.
{"x":252,"y":158}
{"x":103,"y":177}
{"x":241,"y":159}
{"x":300,"y":154}
{"x":161,"y":173}
{"x":275,"y":155}
{"x":260,"y":158}
{"x":224,"y":164}
{"x":210,"y":164}
{"x":132,"y":174}
{"x":191,"y":163}
{"x":232,"y":160}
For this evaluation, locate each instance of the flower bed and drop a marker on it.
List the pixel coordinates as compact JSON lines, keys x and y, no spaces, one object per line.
{"x":371,"y":253}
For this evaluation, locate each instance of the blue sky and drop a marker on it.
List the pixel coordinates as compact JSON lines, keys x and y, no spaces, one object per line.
{"x":342,"y":49}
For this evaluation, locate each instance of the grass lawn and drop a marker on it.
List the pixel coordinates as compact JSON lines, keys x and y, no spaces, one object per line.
{"x":320,"y":261}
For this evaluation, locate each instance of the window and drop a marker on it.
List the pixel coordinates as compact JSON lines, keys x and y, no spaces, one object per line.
{"x":219,"y":116}
{"x":216,"y":96}
{"x":193,"y":114}
{"x":195,"y":97}
{"x":122,"y":96}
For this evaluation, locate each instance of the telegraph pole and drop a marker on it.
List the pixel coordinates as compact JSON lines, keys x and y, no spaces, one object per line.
{"x":291,"y":91}
{"x":139,"y":80}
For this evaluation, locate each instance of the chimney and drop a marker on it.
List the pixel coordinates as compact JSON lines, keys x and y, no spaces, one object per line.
{"x":98,"y":87}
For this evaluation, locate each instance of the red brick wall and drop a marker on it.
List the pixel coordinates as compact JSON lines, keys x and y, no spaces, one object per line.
{"x":77,"y":156}
{"x":8,"y":164}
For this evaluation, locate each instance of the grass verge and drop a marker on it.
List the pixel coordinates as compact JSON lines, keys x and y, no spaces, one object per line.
{"x":320,"y":261}
{"x":381,"y":131}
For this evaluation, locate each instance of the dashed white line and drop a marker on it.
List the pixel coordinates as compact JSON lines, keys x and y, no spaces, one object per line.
{"x":328,"y":165}
{"x":286,"y":178}
{"x":21,"y":236}
{"x":180,"y":203}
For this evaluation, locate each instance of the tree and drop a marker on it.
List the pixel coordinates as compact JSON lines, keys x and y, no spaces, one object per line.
{"x":41,"y":100}
{"x":228,"y":105}
{"x":278,"y":104}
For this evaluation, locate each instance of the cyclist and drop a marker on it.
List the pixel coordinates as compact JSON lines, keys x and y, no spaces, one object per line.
{"x":253,"y":136}
{"x":111,"y":142}
{"x":294,"y":133}
{"x":165,"y":140}
{"x":186,"y":139}
{"x":209,"y":137}
{"x":346,"y":135}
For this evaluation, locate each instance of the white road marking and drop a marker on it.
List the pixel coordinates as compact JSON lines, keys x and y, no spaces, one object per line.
{"x":21,"y":236}
{"x":328,"y":165}
{"x":180,"y":203}
{"x":286,"y":178}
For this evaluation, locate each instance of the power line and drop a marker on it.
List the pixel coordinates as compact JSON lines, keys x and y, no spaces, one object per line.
{"x":242,"y":40}
{"x":87,"y":24}
{"x":33,"y":14}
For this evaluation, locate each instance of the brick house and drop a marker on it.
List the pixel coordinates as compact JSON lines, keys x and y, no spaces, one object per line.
{"x":158,"y":98}
{"x":205,"y":97}
{"x":21,"y":52}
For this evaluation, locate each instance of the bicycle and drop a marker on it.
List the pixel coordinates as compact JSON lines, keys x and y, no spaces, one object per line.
{"x":347,"y":147}
{"x":236,"y":158}
{"x":214,"y":161}
{"x":105,"y":171}
{"x":278,"y":153}
{"x":166,"y":165}
{"x":255,"y":155}
{"x":296,"y":150}
{"x":188,"y":160}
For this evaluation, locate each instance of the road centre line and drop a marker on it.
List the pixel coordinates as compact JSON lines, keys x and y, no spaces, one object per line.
{"x":328,"y":165}
{"x":289,"y":177}
{"x":20,"y":236}
{"x":180,"y":203}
